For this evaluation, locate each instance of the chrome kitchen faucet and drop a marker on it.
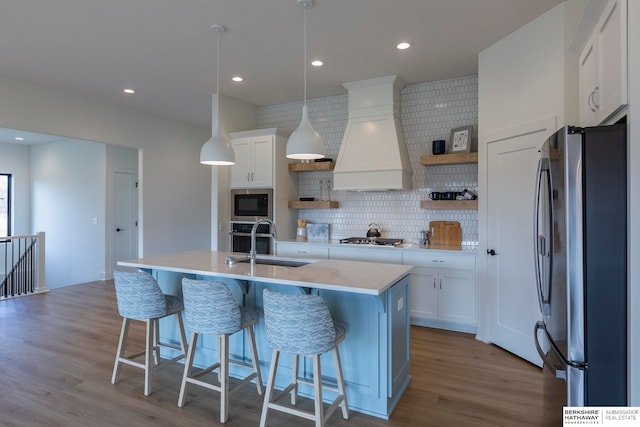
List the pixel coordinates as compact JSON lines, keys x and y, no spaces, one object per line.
{"x":252,"y":252}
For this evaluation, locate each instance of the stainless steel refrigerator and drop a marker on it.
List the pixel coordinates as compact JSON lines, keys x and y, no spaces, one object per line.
{"x":581,"y":267}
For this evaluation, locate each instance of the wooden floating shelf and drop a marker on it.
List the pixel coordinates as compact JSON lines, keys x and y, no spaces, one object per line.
{"x":449,"y":159}
{"x":449,"y":204}
{"x":316,"y":204}
{"x":311,"y":166}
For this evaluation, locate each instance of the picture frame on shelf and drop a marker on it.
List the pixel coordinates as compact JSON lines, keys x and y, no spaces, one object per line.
{"x":460,"y":140}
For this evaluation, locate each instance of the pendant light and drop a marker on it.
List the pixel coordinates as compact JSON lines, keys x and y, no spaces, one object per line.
{"x":305,"y":143}
{"x":217,"y":150}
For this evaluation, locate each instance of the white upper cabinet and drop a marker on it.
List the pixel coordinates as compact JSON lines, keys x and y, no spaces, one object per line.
{"x":588,"y":84}
{"x":261,"y":163}
{"x":254,"y":162}
{"x":603,"y":66}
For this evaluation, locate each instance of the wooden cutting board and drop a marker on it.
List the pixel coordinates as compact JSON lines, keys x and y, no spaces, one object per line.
{"x":445,"y":233}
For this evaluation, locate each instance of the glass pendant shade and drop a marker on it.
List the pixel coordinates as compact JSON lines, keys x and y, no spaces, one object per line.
{"x":305,"y":143}
{"x":217,"y":150}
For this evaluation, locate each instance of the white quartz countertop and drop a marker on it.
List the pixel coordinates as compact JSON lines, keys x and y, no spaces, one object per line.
{"x":371,"y":278}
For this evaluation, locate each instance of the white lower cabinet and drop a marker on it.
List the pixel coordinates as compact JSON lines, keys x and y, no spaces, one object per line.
{"x":423,"y":290}
{"x":443,"y":290}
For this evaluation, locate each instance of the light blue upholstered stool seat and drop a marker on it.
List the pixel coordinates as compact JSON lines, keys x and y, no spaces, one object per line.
{"x":302,"y":325}
{"x":140,"y":298}
{"x":210,"y":308}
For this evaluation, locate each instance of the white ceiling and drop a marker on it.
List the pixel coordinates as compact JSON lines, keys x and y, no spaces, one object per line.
{"x":165,"y":49}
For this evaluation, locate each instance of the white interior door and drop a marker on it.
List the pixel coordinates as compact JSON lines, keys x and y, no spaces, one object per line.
{"x":512,"y":160}
{"x":125,"y":232}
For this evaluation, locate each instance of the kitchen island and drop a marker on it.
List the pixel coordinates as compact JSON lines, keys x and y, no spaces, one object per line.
{"x":370,"y":299}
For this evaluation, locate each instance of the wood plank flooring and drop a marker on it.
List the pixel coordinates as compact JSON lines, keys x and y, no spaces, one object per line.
{"x":57,"y":351}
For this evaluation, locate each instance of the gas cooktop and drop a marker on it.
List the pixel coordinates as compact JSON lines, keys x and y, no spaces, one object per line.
{"x":372,"y":241}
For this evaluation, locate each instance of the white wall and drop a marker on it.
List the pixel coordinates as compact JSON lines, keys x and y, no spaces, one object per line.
{"x":521,"y":78}
{"x":16,"y":160}
{"x":68,"y":187}
{"x":176,"y":188}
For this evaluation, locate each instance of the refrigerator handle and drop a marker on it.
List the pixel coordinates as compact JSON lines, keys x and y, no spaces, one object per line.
{"x":557,"y":371}
{"x":547,"y":249}
{"x":536,"y":236}
{"x":541,"y":249}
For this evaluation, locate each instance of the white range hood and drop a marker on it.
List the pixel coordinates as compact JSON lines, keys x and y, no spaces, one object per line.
{"x":373,"y":155}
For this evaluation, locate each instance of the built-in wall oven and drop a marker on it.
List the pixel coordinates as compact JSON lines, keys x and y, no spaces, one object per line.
{"x":247,"y":206}
{"x":250,"y":204}
{"x":241,"y":238}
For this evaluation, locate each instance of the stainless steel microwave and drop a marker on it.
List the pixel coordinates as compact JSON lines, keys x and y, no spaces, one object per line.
{"x":249,"y":204}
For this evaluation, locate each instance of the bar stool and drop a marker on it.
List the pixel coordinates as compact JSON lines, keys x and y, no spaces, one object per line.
{"x":140,"y":298}
{"x":302,"y":325}
{"x":211,"y":309}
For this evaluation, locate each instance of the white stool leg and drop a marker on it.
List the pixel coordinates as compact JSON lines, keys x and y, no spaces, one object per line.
{"x":223,"y":349}
{"x":148,"y":354}
{"x":340,"y":380}
{"x":188,"y":367}
{"x":183,"y":338}
{"x":294,"y":379}
{"x":271,"y":380}
{"x":124,"y":333}
{"x":317,"y":391}
{"x":156,"y":341}
{"x":254,"y":359}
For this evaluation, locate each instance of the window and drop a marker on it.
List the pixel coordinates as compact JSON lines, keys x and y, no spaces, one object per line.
{"x":5,"y":204}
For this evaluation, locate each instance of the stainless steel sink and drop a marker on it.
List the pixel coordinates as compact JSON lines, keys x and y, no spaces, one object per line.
{"x":269,"y":260}
{"x":278,"y":262}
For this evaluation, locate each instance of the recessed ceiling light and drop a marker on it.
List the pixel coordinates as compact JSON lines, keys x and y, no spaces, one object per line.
{"x":317,"y":63}
{"x":129,"y":91}
{"x":403,"y":45}
{"x":237,"y":78}
{"x":19,"y":138}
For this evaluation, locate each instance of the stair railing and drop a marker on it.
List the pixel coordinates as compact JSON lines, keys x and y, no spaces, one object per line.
{"x":21,"y":265}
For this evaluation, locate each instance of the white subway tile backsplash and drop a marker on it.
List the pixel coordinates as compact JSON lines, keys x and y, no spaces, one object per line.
{"x":428,"y":111}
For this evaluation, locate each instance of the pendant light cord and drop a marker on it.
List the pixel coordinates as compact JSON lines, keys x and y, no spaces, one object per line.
{"x":218,"y":75}
{"x":305,"y":55}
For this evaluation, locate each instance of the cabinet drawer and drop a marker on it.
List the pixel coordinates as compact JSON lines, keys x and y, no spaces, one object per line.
{"x":439,"y":260}
{"x":391,"y":256}
{"x":303,"y":251}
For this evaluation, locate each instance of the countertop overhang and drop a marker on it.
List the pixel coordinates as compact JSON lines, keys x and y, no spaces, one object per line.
{"x":369,"y":278}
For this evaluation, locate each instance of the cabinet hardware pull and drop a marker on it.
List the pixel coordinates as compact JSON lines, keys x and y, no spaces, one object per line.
{"x":596,"y":95}
{"x":441,"y":283}
{"x":248,"y":176}
{"x":492,"y":252}
{"x":434,"y":283}
{"x":590,"y":100}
